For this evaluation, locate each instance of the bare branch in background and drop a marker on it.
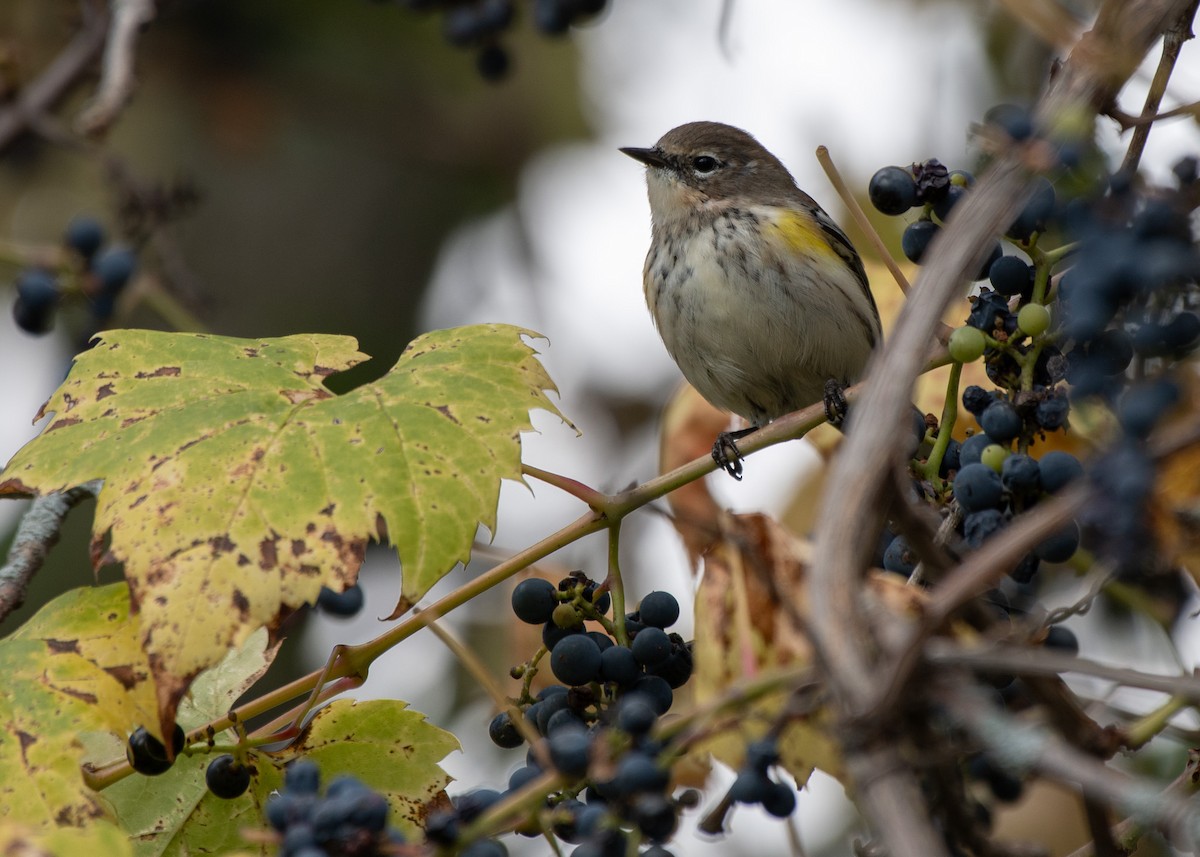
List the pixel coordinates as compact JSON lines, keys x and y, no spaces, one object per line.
{"x":37,"y":533}
{"x":116,"y":77}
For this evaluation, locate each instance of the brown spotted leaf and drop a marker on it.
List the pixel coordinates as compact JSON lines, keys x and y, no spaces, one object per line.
{"x":749,"y":625}
{"x":75,"y":667}
{"x":236,"y":484}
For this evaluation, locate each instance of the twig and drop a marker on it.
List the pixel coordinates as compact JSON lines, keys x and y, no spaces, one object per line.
{"x":1021,"y":660}
{"x":1127,"y":832}
{"x":53,"y":84}
{"x":37,"y":533}
{"x":844,"y":641}
{"x":116,"y":76}
{"x":1178,"y":33}
{"x":1019,"y":747}
{"x":860,"y":217}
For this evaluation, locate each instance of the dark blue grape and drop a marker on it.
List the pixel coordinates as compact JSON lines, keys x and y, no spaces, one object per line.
{"x":636,"y":715}
{"x":1144,"y":404}
{"x":762,"y":754}
{"x":780,"y":801}
{"x":226,"y":777}
{"x":84,"y":235}
{"x":976,"y":399}
{"x":916,"y":238}
{"x":348,"y":602}
{"x":493,"y":63}
{"x":563,"y":719}
{"x":1058,"y":469}
{"x":1061,"y":546}
{"x":1181,"y":333}
{"x":655,"y":816}
{"x":972,"y":449}
{"x":569,"y":751}
{"x":38,"y":289}
{"x":677,"y":668}
{"x":1063,"y":639}
{"x":997,"y":252}
{"x":659,"y":609}
{"x":1011,"y":276}
{"x":1024,"y":571}
{"x":552,"y":634}
{"x":619,"y":665}
{"x":575,"y":660}
{"x":521,"y":777}
{"x":977,"y":487}
{"x":534,"y":600}
{"x":1036,"y":213}
{"x":1015,"y":120}
{"x":750,"y":787}
{"x":1020,"y":474}
{"x":552,"y":17}
{"x":651,"y":646}
{"x":989,"y":312}
{"x":979,"y":526}
{"x":951,"y":458}
{"x":636,"y":772}
{"x":546,"y":709}
{"x":442,"y":827}
{"x":114,"y":268}
{"x":1052,"y":413}
{"x":899,"y":558}
{"x":945,"y":204}
{"x":1001,"y":421}
{"x":302,"y":777}
{"x":503,"y":733}
{"x":892,"y":190}
{"x":657,"y":690}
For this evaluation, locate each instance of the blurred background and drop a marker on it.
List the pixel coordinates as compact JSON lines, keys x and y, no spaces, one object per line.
{"x":336,"y":166}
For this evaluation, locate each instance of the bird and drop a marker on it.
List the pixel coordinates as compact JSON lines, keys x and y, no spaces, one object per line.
{"x":759,"y":296}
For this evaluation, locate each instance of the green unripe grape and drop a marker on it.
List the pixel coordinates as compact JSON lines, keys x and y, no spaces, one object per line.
{"x":967,"y":344}
{"x":1034,"y":319}
{"x":993,"y":456}
{"x":566,"y":616}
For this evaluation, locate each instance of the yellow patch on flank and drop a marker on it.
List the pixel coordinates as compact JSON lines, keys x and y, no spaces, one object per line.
{"x":801,"y":234}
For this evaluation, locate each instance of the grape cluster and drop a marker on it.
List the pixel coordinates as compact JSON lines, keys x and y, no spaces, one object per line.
{"x":348,"y":820}
{"x":479,"y":25}
{"x":97,"y":273}
{"x":597,"y":728}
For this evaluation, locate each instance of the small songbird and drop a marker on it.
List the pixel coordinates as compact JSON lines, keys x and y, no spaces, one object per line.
{"x":760,"y":298}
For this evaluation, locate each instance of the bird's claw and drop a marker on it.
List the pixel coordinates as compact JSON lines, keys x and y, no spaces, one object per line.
{"x":835,"y":403}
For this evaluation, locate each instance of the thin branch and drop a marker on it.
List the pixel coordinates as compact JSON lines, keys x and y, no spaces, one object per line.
{"x":37,"y":533}
{"x":116,"y":76}
{"x":53,"y":84}
{"x":1173,"y":40}
{"x":1022,"y":660}
{"x":1019,"y":747}
{"x":844,"y":641}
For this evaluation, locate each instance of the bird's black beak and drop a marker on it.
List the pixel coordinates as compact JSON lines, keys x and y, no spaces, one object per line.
{"x":649,"y":157}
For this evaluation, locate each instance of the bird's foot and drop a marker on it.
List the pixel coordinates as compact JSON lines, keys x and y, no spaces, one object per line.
{"x":726,"y":453}
{"x":835,"y":402}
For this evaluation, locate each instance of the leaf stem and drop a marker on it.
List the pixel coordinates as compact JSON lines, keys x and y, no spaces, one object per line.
{"x":574,"y":487}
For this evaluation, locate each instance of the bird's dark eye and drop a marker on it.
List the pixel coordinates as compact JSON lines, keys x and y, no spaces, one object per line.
{"x":705,"y":164}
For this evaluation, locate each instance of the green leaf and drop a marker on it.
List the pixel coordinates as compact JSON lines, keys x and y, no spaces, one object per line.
{"x":236,"y":484}
{"x":384,"y":744}
{"x":103,"y":838}
{"x":75,"y":667}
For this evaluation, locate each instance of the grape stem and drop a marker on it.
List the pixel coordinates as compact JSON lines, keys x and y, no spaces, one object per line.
{"x":949,"y":417}
{"x":860,"y":217}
